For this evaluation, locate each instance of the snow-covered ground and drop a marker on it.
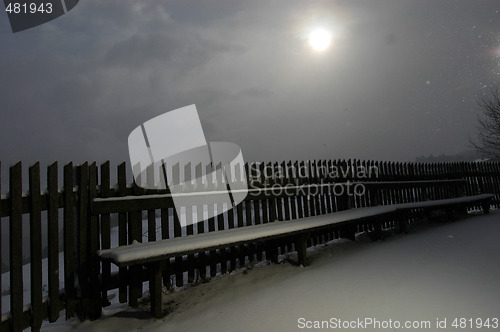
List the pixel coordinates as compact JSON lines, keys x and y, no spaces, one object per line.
{"x":441,"y":270}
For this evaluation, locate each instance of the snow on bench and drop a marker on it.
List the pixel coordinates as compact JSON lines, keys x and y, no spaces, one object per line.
{"x":143,"y":253}
{"x":152,"y":253}
{"x":404,"y":208}
{"x":448,"y":202}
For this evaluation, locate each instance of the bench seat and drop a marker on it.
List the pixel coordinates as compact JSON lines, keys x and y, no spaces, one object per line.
{"x":143,"y":253}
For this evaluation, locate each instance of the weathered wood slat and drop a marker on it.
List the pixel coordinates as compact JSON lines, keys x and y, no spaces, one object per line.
{"x":82,"y":212}
{"x":93,"y":240}
{"x":105,"y":229}
{"x":69,"y":241}
{"x":151,"y":212}
{"x":135,"y":234}
{"x":16,"y":247}
{"x":189,"y":220}
{"x":35,"y":246}
{"x":122,"y":231}
{"x":53,"y":243}
{"x":1,"y":263}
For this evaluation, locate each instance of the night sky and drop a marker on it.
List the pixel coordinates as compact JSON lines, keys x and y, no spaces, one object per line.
{"x":399,"y":80}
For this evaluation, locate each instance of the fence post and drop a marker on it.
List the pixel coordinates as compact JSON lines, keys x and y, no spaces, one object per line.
{"x":69,"y":247}
{"x":53,"y":242}
{"x":93,"y":246}
{"x":122,"y":232}
{"x":83,"y":306}
{"x":105,"y":232}
{"x":16,"y":247}
{"x":35,"y":246}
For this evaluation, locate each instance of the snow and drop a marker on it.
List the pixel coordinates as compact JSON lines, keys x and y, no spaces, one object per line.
{"x":169,"y":248}
{"x":27,"y":282}
{"x":439,"y":270}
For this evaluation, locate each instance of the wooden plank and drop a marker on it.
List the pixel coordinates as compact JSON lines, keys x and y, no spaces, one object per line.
{"x":328,"y":196}
{"x":132,"y":203}
{"x":300,"y":210}
{"x":105,"y":230}
{"x":264,"y":201}
{"x":301,"y":246}
{"x":272,"y":200}
{"x":16,"y":247}
{"x":69,"y":241}
{"x":1,"y":263}
{"x":151,"y":212}
{"x":320,"y":197}
{"x":211,"y":224}
{"x":155,"y":289}
{"x":331,"y":179}
{"x":312,"y":197}
{"x":164,"y":219}
{"x":122,"y":231}
{"x":286,"y":203}
{"x":93,"y":239}
{"x":249,"y":215}
{"x":228,"y":252}
{"x":53,"y":243}
{"x":263,"y":209}
{"x":317,"y":195}
{"x":189,"y":219}
{"x":322,"y":180}
{"x":82,"y":270}
{"x":299,"y":199}
{"x":239,"y":215}
{"x":305,"y":180}
{"x":202,"y":256}
{"x":35,"y":247}
{"x":179,"y":279}
{"x":278,"y":200}
{"x":135,"y":234}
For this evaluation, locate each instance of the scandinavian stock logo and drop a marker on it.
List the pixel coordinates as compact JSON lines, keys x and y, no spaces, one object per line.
{"x":177,"y":137}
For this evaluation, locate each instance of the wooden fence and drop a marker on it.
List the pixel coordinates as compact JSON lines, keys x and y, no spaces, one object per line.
{"x":77,"y":283}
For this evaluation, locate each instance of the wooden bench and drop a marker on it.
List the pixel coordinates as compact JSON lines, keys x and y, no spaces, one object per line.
{"x":456,"y":187}
{"x":152,"y":254}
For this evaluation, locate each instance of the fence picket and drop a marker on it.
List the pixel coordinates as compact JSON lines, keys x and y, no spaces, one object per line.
{"x":53,"y":242}
{"x":122,"y":232}
{"x":105,"y":230}
{"x":69,"y":240}
{"x":35,"y":246}
{"x":94,"y":264}
{"x":82,"y":269}
{"x":16,"y":247}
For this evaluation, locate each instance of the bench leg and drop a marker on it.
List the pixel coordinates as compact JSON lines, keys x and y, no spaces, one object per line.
{"x":202,"y":265}
{"x":348,"y":232}
{"x":378,"y":230}
{"x":486,"y":207}
{"x":155,"y":289}
{"x":135,"y":287}
{"x":301,"y":246}
{"x":272,"y":251}
{"x":402,"y":220}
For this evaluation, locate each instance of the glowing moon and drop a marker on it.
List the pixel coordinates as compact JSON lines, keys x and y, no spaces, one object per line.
{"x":320,"y":39}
